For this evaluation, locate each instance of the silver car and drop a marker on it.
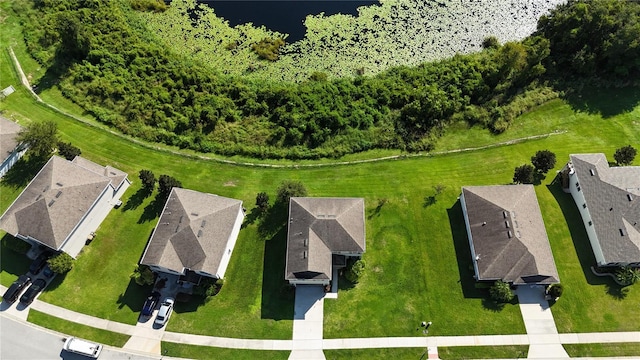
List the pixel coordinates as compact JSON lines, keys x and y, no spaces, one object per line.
{"x":166,"y":307}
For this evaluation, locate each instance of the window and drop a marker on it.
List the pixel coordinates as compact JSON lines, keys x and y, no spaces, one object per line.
{"x":577,"y":184}
{"x":590,"y":222}
{"x":578,"y":188}
{"x":592,"y":172}
{"x":584,"y":206}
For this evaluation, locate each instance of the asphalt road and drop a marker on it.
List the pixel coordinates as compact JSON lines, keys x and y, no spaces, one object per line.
{"x":20,"y":341}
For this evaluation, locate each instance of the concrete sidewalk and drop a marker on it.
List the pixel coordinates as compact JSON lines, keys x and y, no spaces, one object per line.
{"x":538,"y":320}
{"x":307,"y":323}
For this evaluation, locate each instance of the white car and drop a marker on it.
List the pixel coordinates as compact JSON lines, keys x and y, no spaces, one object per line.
{"x":166,"y":307}
{"x":82,"y":347}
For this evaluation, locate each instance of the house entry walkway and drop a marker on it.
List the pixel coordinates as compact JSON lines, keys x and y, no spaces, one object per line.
{"x":307,"y":323}
{"x":538,"y":321}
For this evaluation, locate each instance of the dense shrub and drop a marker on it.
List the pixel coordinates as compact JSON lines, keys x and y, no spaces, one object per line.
{"x":61,"y":263}
{"x":355,"y":271}
{"x":15,"y":244}
{"x":289,"y":189}
{"x":625,"y":155}
{"x":543,"y":161}
{"x":523,"y":174}
{"x":627,"y":275}
{"x":68,"y":151}
{"x":555,"y":290}
{"x":143,"y":275}
{"x":501,"y":292}
{"x":148,"y":179}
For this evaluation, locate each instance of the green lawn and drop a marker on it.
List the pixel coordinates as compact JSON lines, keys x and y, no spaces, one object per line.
{"x":74,"y":329}
{"x":418,"y":261}
{"x":208,"y":352}
{"x":483,"y":352}
{"x":381,"y":354}
{"x":602,"y":350}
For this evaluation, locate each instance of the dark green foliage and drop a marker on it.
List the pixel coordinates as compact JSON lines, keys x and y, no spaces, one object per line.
{"x":165,"y":184}
{"x":143,"y":275}
{"x":208,"y":287}
{"x":42,"y":137}
{"x":555,"y":290}
{"x":61,"y":263}
{"x":289,"y":189}
{"x":595,"y":38}
{"x":501,"y":292}
{"x":625,"y":155}
{"x":15,"y":244}
{"x":148,"y":5}
{"x":490,"y":42}
{"x":262,"y":201}
{"x":627,"y":275}
{"x":68,"y":151}
{"x":355,"y":271}
{"x":268,"y":48}
{"x":148,"y":179}
{"x":543,"y":161}
{"x":523,"y":174}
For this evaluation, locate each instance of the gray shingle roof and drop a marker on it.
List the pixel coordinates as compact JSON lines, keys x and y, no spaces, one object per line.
{"x":319,"y":227}
{"x":192,"y":231}
{"x":8,"y":133}
{"x":612,"y":195}
{"x":508,"y":234}
{"x":55,"y":201}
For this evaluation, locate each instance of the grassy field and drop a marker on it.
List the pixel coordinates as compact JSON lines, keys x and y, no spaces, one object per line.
{"x":603,"y":350}
{"x":418,"y":261}
{"x":74,"y":329}
{"x":483,"y":352}
{"x":207,"y":352}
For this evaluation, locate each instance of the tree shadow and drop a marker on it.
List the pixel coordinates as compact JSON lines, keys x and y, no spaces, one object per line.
{"x":153,"y":210}
{"x":580,"y":238}
{"x":376,"y":211}
{"x":134,"y":296}
{"x":191,"y":305}
{"x":429,"y":200}
{"x":252,"y":217}
{"x":538,"y":177}
{"x":136,"y":199}
{"x":607,"y":102}
{"x":277,"y":295}
{"x":617,"y":292}
{"x":10,"y":261}
{"x":23,"y":171}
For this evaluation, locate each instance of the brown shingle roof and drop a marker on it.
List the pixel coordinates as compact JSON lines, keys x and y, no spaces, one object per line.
{"x":54,"y":202}
{"x":319,"y":227}
{"x":192,"y":231}
{"x":612,"y":195}
{"x":508,"y":234}
{"x":8,"y":133}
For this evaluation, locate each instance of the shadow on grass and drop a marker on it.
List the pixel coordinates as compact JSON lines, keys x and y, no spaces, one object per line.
{"x":136,"y":199}
{"x":607,"y":102}
{"x":23,"y":171}
{"x":190,"y":305}
{"x":134,"y":296}
{"x":581,"y":240}
{"x":277,"y":295}
{"x":252,"y":217}
{"x":10,"y":261}
{"x":153,"y":210}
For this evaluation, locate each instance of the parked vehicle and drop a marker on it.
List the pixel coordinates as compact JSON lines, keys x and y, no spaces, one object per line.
{"x":150,"y":303}
{"x":16,"y":288}
{"x":165,"y":312}
{"x":47,"y":272}
{"x":39,"y":263}
{"x":82,"y":347}
{"x":33,"y":291}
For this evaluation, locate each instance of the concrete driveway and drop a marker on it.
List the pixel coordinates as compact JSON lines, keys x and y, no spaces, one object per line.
{"x":307,"y":323}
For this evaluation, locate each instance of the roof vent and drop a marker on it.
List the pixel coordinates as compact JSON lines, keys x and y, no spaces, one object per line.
{"x":51,"y":203}
{"x":504,"y":214}
{"x":306,"y":242}
{"x":181,"y":216}
{"x":484,"y":223}
{"x":622,"y":232}
{"x":304,"y":254}
{"x":199,"y":233}
{"x":509,"y":234}
{"x":204,"y":222}
{"x":59,"y":184}
{"x":506,"y":223}
{"x":629,"y":197}
{"x":592,"y":172}
{"x":58,"y":194}
{"x":194,"y":214}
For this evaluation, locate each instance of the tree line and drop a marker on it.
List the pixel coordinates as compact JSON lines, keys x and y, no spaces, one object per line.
{"x":103,"y":59}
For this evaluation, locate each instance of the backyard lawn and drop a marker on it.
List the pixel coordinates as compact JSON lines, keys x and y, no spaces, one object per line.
{"x":418,"y":261}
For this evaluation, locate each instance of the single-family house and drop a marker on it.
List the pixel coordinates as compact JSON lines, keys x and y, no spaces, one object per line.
{"x":507,"y":236}
{"x":608,"y":199}
{"x":195,"y":235}
{"x":10,"y":150}
{"x":64,"y":204}
{"x":323,"y":233}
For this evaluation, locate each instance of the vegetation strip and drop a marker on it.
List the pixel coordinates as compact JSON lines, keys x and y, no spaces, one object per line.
{"x":295,"y":166}
{"x":75,"y":329}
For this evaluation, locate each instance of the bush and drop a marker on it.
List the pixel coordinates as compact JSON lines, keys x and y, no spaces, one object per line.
{"x":501,"y":292}
{"x":355,"y":271}
{"x":289,"y":189}
{"x":143,"y":275}
{"x":555,"y":290}
{"x":208,"y":287}
{"x":268,"y":48}
{"x":148,"y":179}
{"x":262,"y":201}
{"x":625,"y":155}
{"x":61,"y":263}
{"x":627,"y":275}
{"x":68,"y":151}
{"x":543,"y":161}
{"x":523,"y":174}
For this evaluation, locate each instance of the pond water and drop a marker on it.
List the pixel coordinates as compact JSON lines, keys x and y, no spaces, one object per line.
{"x":285,"y":16}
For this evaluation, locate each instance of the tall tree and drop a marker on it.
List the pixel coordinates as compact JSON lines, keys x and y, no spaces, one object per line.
{"x":625,"y":155}
{"x":42,"y":137}
{"x":289,"y":189}
{"x":543,"y":161}
{"x":165,"y":184}
{"x":523,"y":174}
